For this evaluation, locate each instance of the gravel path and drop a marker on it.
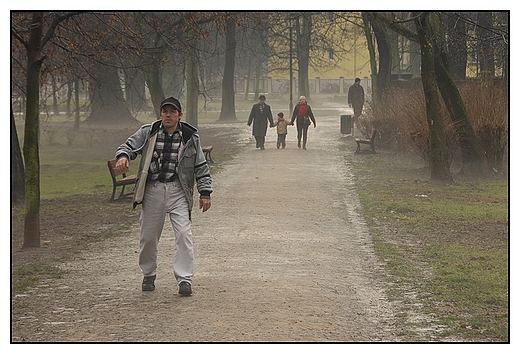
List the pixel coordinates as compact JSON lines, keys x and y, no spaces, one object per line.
{"x":283,"y":255}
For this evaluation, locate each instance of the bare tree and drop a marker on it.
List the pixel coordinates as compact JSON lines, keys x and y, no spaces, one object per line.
{"x":227,"y":111}
{"x":30,"y":32}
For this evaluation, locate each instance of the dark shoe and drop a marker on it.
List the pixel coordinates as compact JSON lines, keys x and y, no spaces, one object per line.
{"x":148,"y":283}
{"x":304,"y":148}
{"x":185,"y":288}
{"x":262,"y":148}
{"x":299,"y":145}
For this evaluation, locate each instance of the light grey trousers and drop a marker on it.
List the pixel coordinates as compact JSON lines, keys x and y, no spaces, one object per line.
{"x":161,"y":199}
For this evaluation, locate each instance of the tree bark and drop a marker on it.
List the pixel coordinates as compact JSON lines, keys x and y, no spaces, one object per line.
{"x":486,"y":51}
{"x":473,"y":160}
{"x":385,"y":60}
{"x":192,"y":80}
{"x":135,"y":89}
{"x":17,"y":169}
{"x":439,"y":162}
{"x":31,"y":146}
{"x":107,"y":102}
{"x":456,"y":34}
{"x":227,"y":111}
{"x":303,"y":40}
{"x":152,"y":77}
{"x":371,"y":48}
{"x":76,"y":104}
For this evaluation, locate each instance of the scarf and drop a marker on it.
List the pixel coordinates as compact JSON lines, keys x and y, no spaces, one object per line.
{"x":303,"y":111}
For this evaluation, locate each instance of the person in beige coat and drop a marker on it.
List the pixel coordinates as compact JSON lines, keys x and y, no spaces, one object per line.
{"x":281,"y":128}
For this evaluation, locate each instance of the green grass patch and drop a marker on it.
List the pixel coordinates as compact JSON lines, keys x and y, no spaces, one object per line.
{"x":447,"y":243}
{"x":471,"y":286}
{"x":28,"y":276}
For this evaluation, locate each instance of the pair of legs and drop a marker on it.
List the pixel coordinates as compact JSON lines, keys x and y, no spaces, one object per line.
{"x":161,"y":199}
{"x":281,"y":141}
{"x":357,"y":112}
{"x":302,"y":129}
{"x":260,"y":141}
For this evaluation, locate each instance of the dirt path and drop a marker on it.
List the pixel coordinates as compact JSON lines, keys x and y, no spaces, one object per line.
{"x":282,"y":255}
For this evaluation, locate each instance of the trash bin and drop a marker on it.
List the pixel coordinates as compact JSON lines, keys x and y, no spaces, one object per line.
{"x":346,"y":124}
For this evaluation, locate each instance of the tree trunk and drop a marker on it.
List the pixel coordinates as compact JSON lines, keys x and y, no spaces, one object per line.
{"x":258,"y":75}
{"x":456,"y":34}
{"x":439,"y":162}
{"x":76,"y":104}
{"x":371,"y":50}
{"x":192,"y":80}
{"x":69,"y":98}
{"x":31,"y":151}
{"x":303,"y":40}
{"x":246,"y":83}
{"x":227,"y":111}
{"x":383,"y":74}
{"x":55,"y":106}
{"x":486,"y":52}
{"x":473,"y":160}
{"x":17,"y":169}
{"x":107,"y":102}
{"x":135,"y":89}
{"x":153,"y":80}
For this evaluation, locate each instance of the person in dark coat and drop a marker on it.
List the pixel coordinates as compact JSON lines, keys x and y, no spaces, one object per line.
{"x":303,"y":115}
{"x":356,"y":98}
{"x":260,"y":113}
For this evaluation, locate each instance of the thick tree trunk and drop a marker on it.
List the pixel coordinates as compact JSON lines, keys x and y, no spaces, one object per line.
{"x":472,"y":155}
{"x":456,"y":35}
{"x":227,"y":111}
{"x":107,"y":102}
{"x":439,"y":162}
{"x":192,"y":80}
{"x":135,"y":90}
{"x":371,"y":50}
{"x":153,"y":80}
{"x":31,"y":151}
{"x":17,"y":169}
{"x":486,"y":58}
{"x":382,"y":86}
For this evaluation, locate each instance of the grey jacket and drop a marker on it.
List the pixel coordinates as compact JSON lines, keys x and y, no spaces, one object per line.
{"x":192,"y":163}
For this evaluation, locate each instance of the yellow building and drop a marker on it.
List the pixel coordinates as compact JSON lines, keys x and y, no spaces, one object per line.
{"x":338,"y":49}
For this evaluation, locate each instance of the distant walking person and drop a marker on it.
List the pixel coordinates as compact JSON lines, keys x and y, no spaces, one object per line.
{"x":303,"y":115}
{"x":281,"y":128}
{"x":356,"y":98}
{"x":260,"y":114}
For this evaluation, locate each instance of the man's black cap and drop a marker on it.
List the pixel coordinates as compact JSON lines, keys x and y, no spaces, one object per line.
{"x":172,"y":101}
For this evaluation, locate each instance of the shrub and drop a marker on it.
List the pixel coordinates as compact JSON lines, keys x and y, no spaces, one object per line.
{"x":402,"y":125}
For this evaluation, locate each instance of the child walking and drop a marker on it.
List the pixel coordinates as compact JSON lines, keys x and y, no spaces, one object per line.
{"x":281,"y":128}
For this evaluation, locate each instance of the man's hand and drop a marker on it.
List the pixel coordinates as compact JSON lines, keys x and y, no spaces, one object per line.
{"x":122,"y":165}
{"x":204,"y":204}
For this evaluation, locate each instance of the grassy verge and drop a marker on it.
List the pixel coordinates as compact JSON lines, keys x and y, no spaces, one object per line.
{"x":444,"y":246}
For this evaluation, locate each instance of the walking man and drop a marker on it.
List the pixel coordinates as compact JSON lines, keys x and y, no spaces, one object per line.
{"x":356,"y":98}
{"x":260,"y":113}
{"x":171,"y":161}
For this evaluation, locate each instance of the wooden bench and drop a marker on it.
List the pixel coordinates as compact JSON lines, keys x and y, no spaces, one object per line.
{"x":207,"y":153}
{"x":366,"y":141}
{"x":122,"y":182}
